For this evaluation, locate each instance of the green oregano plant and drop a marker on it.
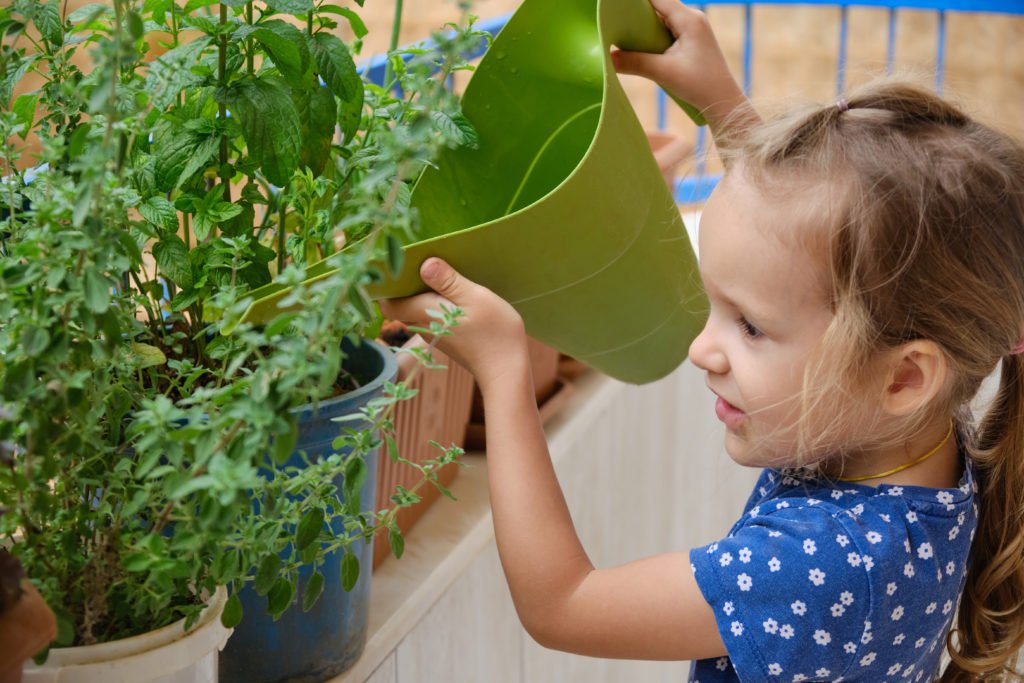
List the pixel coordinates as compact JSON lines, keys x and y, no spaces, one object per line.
{"x":143,"y":448}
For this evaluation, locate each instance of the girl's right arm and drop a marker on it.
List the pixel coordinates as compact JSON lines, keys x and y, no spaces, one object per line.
{"x":648,"y":609}
{"x":693,"y":69}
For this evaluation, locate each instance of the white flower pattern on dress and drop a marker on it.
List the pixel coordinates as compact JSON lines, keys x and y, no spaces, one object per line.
{"x":883,"y":568}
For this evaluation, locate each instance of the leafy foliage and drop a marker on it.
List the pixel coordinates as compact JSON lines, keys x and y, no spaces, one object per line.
{"x":142,"y":448}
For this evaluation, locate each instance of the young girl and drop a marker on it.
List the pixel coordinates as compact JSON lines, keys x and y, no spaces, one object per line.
{"x":864,"y":262}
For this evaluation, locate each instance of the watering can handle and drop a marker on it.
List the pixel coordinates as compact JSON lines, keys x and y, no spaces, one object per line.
{"x":633,"y":25}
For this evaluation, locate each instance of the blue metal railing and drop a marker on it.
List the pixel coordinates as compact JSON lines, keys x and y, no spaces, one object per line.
{"x":696,"y":188}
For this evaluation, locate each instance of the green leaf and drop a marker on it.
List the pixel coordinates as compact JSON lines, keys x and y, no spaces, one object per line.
{"x":187,"y":484}
{"x":65,"y":627}
{"x":204,"y":24}
{"x":284,"y":444}
{"x":270,"y":125}
{"x":267,"y":574}
{"x":88,"y":13}
{"x":317,"y":112}
{"x":172,"y":73}
{"x":33,"y":340}
{"x":193,"y":5}
{"x":173,"y":152}
{"x":172,"y":258}
{"x":314,"y":587}
{"x":232,"y":614}
{"x":309,"y":555}
{"x":287,"y":48}
{"x":12,"y":74}
{"x":136,"y":28}
{"x":24,"y":109}
{"x":349,"y":570}
{"x":147,"y":356}
{"x":457,"y":128}
{"x":205,"y":149}
{"x":160,"y":212}
{"x":356,"y":472}
{"x":338,"y":70}
{"x":97,"y":290}
{"x":358,"y":27}
{"x":396,"y":541}
{"x":46,"y":17}
{"x":280,"y":597}
{"x":310,"y":526}
{"x":357,"y":297}
{"x":291,"y":6}
{"x":350,"y":114}
{"x":444,"y":491}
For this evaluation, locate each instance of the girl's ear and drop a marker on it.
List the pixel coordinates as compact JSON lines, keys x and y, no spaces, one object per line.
{"x":917,"y":374}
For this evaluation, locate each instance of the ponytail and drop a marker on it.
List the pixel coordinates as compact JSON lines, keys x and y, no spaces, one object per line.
{"x":990,"y":619}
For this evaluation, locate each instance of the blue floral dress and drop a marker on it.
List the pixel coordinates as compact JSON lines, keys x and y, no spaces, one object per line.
{"x":835,"y":581}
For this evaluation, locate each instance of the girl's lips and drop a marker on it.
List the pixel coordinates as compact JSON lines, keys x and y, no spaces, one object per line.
{"x":729,"y":414}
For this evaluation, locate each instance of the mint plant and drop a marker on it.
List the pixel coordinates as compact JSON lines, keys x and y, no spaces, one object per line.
{"x":141,"y":446}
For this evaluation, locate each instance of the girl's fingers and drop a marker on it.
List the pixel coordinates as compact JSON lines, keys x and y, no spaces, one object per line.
{"x":639,"y":64}
{"x":412,"y":309}
{"x":673,"y":13}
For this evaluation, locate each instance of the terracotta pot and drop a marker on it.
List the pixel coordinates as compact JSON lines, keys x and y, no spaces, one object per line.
{"x":25,"y":629}
{"x":549,"y":388}
{"x":669,"y":151}
{"x":439,"y":412}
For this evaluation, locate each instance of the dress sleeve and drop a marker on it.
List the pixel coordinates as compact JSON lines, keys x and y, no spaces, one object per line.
{"x":790,"y":592}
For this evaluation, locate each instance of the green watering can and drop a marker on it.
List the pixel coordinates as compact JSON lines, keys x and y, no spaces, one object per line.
{"x":562,"y":210}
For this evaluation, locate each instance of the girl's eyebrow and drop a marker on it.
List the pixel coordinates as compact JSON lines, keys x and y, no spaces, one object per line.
{"x":756,"y":310}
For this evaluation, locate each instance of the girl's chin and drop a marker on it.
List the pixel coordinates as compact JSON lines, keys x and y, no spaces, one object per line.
{"x":749,"y":452}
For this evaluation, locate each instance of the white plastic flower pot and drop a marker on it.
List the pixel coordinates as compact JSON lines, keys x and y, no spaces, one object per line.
{"x":167,"y":655}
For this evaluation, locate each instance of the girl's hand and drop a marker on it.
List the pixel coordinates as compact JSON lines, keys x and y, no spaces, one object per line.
{"x":490,"y":340}
{"x":692,"y":69}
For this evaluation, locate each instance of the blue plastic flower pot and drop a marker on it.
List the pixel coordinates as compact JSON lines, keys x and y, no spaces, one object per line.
{"x":303,"y":647}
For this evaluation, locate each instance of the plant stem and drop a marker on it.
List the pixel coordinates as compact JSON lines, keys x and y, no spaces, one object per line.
{"x":396,"y":30}
{"x":282,"y":239}
{"x":249,"y":57}
{"x":222,"y":67}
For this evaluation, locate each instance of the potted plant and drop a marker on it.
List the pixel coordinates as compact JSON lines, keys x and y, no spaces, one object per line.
{"x":157,"y":461}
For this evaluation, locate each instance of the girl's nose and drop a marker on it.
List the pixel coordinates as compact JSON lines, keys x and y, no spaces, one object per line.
{"x":706,"y":353}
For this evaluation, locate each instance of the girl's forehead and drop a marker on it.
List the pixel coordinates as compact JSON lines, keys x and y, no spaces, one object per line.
{"x":792,"y":208}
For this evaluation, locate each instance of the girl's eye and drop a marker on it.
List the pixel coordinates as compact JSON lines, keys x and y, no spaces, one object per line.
{"x":748,"y":329}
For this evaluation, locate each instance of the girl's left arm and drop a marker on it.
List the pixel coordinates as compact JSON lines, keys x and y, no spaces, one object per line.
{"x":647,"y":609}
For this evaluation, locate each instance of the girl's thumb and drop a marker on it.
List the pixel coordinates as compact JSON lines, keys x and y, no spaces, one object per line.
{"x":440,"y":277}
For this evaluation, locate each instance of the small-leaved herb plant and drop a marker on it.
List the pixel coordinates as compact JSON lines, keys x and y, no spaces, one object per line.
{"x":142,"y":447}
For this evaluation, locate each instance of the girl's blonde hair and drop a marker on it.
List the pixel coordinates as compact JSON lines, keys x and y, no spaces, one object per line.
{"x":923,"y":238}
